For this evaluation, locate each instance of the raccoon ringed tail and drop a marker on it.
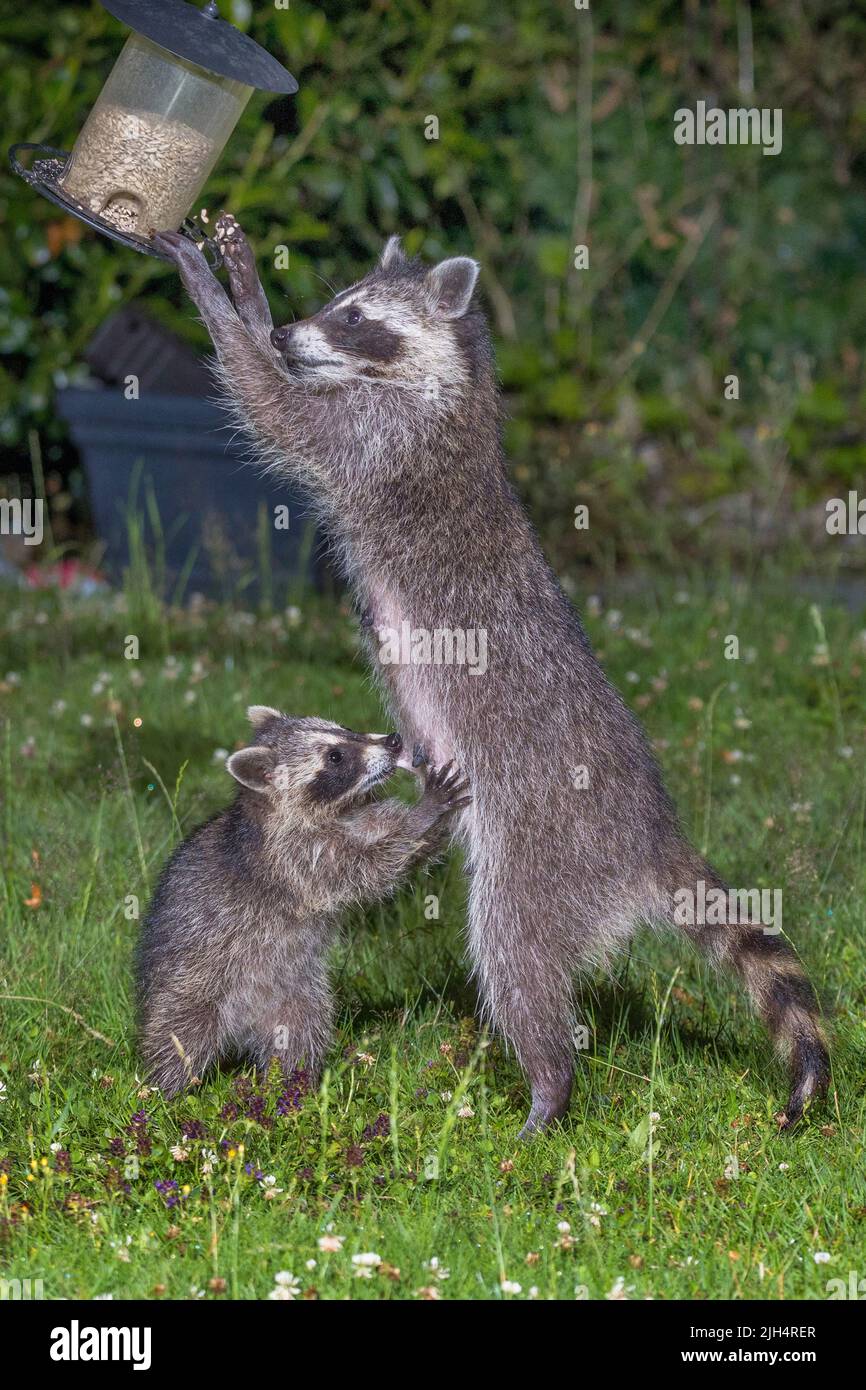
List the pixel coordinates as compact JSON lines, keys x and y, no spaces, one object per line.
{"x":778,"y":988}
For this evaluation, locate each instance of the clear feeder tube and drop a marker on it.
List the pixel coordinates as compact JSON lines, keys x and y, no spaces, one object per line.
{"x":157,"y":130}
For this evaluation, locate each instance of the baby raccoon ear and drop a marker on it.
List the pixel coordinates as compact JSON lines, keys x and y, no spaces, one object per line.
{"x":392,"y":253}
{"x":260,"y":714}
{"x":252,"y":767}
{"x":450,"y":284}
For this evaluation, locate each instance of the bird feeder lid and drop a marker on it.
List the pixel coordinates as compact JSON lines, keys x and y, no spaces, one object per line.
{"x":201,"y":37}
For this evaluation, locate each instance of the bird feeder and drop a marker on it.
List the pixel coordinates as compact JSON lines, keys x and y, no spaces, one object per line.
{"x":160,"y":123}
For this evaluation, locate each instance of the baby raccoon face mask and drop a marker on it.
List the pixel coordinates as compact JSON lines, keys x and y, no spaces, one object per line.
{"x":312,"y":764}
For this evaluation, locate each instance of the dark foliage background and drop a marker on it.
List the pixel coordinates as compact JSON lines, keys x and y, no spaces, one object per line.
{"x":555,"y":128}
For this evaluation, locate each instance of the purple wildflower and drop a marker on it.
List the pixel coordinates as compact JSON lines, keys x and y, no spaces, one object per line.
{"x":380,"y":1129}
{"x":255,"y":1108}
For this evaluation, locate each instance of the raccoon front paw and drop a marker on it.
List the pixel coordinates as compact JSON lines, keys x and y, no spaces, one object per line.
{"x":236,"y":252}
{"x":227,"y":231}
{"x":185,"y":254}
{"x":444,"y":790}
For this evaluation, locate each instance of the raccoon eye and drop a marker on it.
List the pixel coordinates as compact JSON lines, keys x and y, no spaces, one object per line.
{"x":353,"y":316}
{"x":335,"y":756}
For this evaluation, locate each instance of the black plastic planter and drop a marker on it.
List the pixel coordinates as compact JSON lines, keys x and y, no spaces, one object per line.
{"x":165,"y":469}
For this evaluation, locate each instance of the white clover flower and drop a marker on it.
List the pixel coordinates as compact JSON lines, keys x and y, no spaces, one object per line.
{"x":620,"y":1290}
{"x":367,"y":1260}
{"x":330,"y":1245}
{"x":821,"y":1257}
{"x":286,"y":1286}
{"x":510,"y":1286}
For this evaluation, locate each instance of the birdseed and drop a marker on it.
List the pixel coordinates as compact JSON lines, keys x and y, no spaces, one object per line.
{"x":138,"y":170}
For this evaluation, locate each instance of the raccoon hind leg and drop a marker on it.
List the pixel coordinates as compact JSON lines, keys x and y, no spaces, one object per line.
{"x":294,"y":1025}
{"x":526,"y":993}
{"x":179,"y":1040}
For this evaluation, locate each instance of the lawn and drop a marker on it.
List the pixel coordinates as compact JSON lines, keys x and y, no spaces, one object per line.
{"x":667,"y":1180}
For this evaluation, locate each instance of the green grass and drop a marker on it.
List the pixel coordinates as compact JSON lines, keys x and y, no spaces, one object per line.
{"x":706,"y":1201}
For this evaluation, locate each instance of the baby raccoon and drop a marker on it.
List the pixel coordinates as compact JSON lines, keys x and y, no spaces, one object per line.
{"x":385,"y":405}
{"x":232,"y":954}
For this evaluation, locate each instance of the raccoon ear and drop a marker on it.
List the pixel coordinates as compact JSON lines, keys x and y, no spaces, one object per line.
{"x":392,"y":253}
{"x":260,"y":714}
{"x":450,"y":285}
{"x":252,"y":767}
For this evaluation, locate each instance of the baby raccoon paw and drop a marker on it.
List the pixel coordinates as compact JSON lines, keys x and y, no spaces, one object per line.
{"x":444,"y":788}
